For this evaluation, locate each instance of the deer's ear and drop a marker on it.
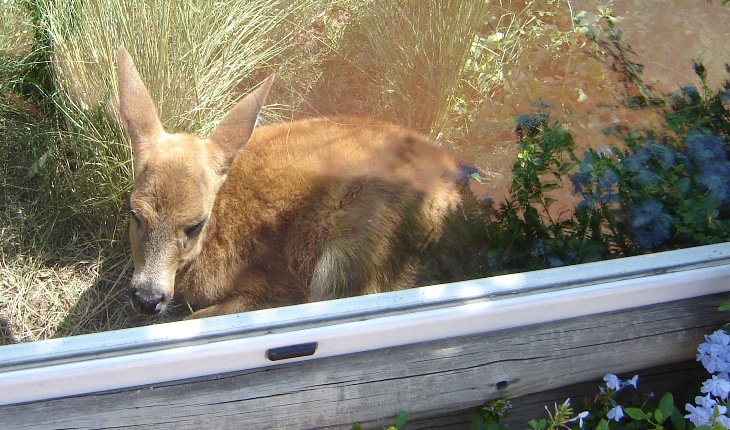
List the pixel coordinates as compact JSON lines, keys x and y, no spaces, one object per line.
{"x":236,"y":127}
{"x":138,"y":112}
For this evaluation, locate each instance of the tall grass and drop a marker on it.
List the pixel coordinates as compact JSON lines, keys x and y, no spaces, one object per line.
{"x":419,"y":49}
{"x":31,"y":305}
{"x":401,"y":61}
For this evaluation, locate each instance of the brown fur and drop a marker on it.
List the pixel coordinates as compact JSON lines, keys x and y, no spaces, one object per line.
{"x":301,"y":211}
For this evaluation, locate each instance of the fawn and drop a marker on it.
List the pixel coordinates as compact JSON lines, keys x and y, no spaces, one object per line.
{"x":253,"y":217}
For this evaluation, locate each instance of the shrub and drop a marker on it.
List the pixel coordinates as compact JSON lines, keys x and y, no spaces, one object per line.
{"x":665,"y":189}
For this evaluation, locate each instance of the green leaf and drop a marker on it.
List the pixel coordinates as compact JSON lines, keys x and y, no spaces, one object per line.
{"x":659,"y":416}
{"x":537,"y":425}
{"x":724,"y":307}
{"x":401,"y":419}
{"x":566,"y":167}
{"x":636,"y":413}
{"x":666,"y":407}
{"x":356,"y":426}
{"x":700,"y":70}
{"x":478,"y":423}
{"x":602,"y":425}
{"x":678,"y":420}
{"x":477,"y":177}
{"x":550,"y":187}
{"x":683,"y":185}
{"x":494,"y":425}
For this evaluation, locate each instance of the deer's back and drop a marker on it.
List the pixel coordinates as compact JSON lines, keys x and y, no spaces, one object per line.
{"x":325,"y":208}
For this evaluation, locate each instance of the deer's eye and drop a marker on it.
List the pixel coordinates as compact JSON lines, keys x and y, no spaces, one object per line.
{"x":193,"y":230}
{"x":135,"y":217}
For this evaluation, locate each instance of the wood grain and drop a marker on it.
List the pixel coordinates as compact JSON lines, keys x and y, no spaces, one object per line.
{"x":427,"y":380}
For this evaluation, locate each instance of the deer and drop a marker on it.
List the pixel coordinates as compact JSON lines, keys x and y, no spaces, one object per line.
{"x":257,"y":216}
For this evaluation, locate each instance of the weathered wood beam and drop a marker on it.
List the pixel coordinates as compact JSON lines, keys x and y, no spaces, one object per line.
{"x":190,"y":349}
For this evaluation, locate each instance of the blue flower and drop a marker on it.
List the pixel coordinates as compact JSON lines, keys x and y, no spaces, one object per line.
{"x":538,"y":249}
{"x":662,"y":153}
{"x":584,"y":177}
{"x":699,"y":416}
{"x":705,"y":148}
{"x":719,"y":337}
{"x":723,"y":420}
{"x":708,"y":158}
{"x":706,"y":402}
{"x":616,"y":413}
{"x":713,"y":358}
{"x":637,"y":161}
{"x":704,"y":411}
{"x":650,"y":223}
{"x":612,"y":381}
{"x":529,"y":124}
{"x":581,"y":182}
{"x":579,"y":418}
{"x":716,"y":180}
{"x":714,"y":352}
{"x":556,"y":262}
{"x":717,"y":387}
{"x":609,"y":180}
{"x":596,"y":181}
{"x":633,"y":381}
{"x":647,"y":177}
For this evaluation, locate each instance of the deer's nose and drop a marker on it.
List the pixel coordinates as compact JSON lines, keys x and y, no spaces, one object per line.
{"x":148,"y":301}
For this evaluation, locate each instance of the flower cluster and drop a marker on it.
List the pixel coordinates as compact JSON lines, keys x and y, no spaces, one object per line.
{"x":660,"y":189}
{"x":714,"y":354}
{"x":663,"y":186}
{"x":596,"y":180}
{"x":613,"y":386}
{"x":649,"y":158}
{"x":650,"y":223}
{"x":706,"y":153}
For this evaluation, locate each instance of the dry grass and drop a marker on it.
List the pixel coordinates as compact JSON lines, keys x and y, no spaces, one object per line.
{"x":517,"y":38}
{"x":415,"y":62}
{"x":16,"y":31}
{"x":40,"y":300}
{"x":56,"y":285}
{"x":400,"y":61}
